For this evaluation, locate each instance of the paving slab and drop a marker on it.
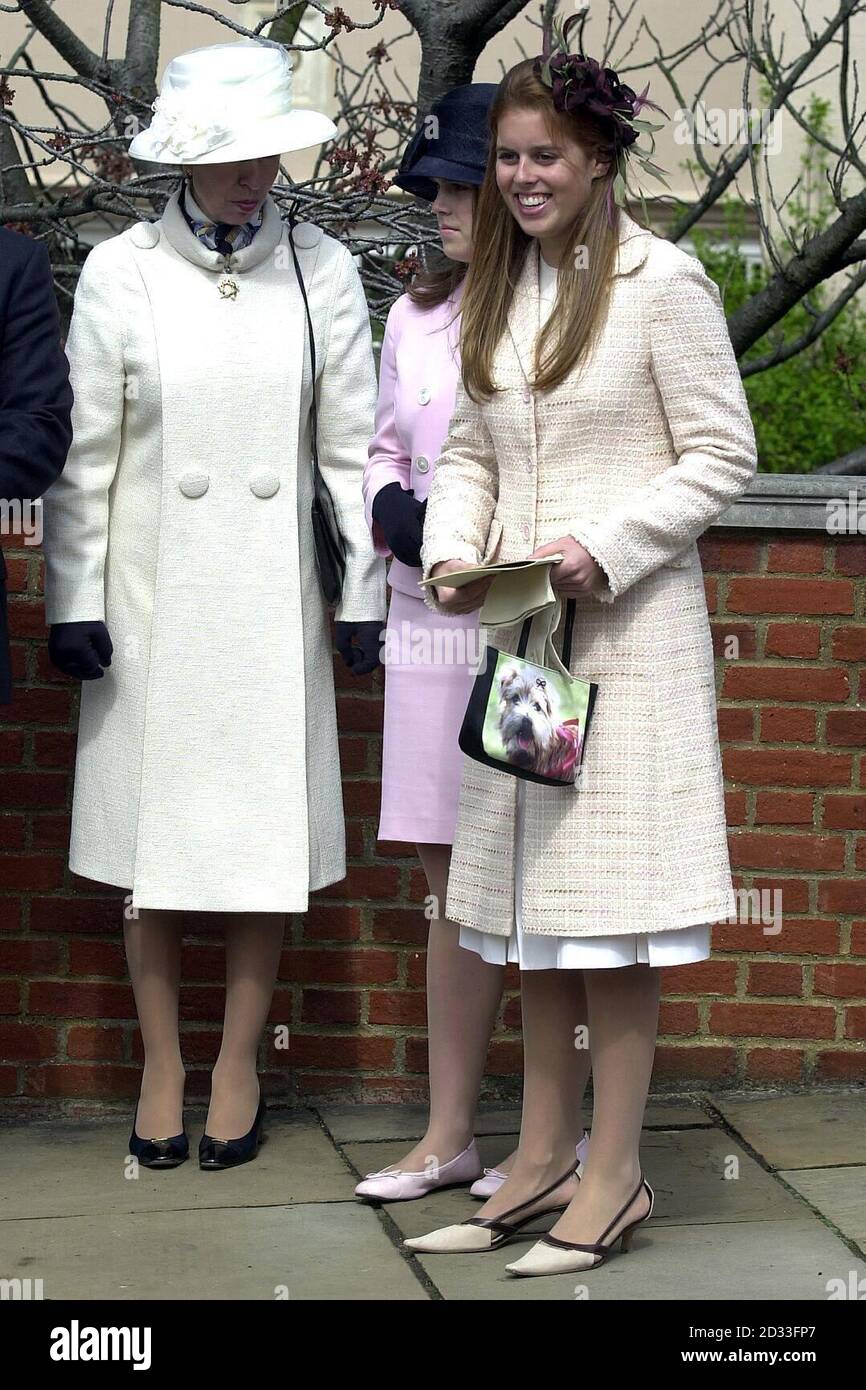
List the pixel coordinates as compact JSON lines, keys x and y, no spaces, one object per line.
{"x":702,"y":1176}
{"x":737,"y":1261}
{"x":333,"y":1250}
{"x":838,"y":1193}
{"x":815,"y":1130}
{"x":348,"y":1123}
{"x":288,"y":1226}
{"x":80,"y":1167}
{"x":370,"y":1158}
{"x":686,"y":1169}
{"x":675,"y":1114}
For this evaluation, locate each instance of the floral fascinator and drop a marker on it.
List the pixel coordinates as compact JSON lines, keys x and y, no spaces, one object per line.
{"x":581,"y":83}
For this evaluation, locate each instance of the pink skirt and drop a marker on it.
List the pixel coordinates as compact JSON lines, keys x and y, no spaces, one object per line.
{"x":429,"y":668}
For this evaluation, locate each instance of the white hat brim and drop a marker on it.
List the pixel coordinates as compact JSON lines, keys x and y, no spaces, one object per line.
{"x":296,"y":130}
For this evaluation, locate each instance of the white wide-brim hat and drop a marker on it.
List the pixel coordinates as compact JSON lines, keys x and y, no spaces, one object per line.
{"x":228,"y":102}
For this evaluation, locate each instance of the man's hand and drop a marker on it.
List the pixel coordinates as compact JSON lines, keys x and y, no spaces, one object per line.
{"x":465,"y":599}
{"x":577,"y":573}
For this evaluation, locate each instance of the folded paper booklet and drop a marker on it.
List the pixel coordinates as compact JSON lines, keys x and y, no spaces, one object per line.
{"x":519,"y":589}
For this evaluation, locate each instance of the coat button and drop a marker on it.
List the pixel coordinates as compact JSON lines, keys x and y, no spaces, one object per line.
{"x":527,"y":395}
{"x":193,"y":484}
{"x":422,"y":464}
{"x":264,"y":484}
{"x":423,"y":395}
{"x":144,"y":235}
{"x":525,"y":530}
{"x":306,"y":235}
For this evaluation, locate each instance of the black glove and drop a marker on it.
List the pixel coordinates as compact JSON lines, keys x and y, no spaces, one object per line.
{"x":365,"y":657}
{"x":401,"y":517}
{"x":80,"y":649}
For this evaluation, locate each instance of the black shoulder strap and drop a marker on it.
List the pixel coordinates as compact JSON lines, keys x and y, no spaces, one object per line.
{"x":567,"y":632}
{"x":293,"y":221}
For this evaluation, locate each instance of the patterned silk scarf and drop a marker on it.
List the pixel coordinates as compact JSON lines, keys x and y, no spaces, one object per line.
{"x":218,"y":236}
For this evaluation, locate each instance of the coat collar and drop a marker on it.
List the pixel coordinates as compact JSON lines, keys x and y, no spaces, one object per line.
{"x":177,"y":233}
{"x":633,"y":247}
{"x":523,"y":316}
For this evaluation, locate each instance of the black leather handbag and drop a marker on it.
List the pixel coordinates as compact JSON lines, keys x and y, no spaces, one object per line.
{"x":330,"y":544}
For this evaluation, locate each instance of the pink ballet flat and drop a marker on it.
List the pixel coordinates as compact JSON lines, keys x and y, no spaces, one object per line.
{"x":393,"y":1185}
{"x":492,"y":1179}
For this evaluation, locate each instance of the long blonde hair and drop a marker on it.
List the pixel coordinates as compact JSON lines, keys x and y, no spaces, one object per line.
{"x":500,"y":247}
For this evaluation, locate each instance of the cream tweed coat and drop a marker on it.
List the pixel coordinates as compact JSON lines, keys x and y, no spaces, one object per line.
{"x":634,"y":456}
{"x":207,"y":773}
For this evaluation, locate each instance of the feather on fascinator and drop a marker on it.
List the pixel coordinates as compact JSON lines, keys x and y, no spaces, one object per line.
{"x":581,"y":83}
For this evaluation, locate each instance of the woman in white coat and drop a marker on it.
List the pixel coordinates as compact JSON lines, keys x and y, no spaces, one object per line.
{"x":181,"y":577}
{"x":602,"y":415}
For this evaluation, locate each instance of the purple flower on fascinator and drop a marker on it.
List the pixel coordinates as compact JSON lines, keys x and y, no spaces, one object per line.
{"x":582,"y":83}
{"x":579,"y":83}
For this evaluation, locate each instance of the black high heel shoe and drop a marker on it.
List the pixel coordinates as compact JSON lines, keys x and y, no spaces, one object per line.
{"x":159,"y":1153}
{"x":228,"y":1153}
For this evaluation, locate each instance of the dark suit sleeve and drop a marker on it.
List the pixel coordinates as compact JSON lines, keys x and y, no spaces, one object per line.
{"x":35,"y":395}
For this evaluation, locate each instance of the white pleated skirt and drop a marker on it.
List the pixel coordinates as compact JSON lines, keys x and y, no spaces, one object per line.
{"x":680,"y":946}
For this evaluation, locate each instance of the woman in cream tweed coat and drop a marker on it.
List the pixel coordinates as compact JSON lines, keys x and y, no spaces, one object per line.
{"x":207,"y":775}
{"x":621,"y":466}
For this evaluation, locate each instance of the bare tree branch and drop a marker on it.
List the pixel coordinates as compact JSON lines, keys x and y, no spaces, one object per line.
{"x":801,"y":274}
{"x":851,"y":465}
{"x":142,"y":45}
{"x":725,"y":176}
{"x":855,"y":252}
{"x":60,"y":171}
{"x":822,"y":321}
{"x":500,"y":14}
{"x":68,"y":44}
{"x":14,"y":185}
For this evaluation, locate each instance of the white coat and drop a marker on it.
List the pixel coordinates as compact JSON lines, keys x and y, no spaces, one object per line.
{"x":633,"y":455}
{"x":207,"y":773}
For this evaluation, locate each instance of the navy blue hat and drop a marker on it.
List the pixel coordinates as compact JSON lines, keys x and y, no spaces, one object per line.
{"x":459,"y":153}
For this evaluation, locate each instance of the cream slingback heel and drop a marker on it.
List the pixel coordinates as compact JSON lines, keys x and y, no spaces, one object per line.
{"x":550,"y":1255}
{"x":482,"y":1233}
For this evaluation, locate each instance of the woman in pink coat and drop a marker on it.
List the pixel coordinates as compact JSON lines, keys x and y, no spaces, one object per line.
{"x":429,"y":657}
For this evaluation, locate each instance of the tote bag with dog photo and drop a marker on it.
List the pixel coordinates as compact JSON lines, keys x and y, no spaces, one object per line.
{"x":528,"y":718}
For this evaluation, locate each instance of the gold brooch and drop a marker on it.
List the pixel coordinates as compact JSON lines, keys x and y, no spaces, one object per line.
{"x":228,"y":286}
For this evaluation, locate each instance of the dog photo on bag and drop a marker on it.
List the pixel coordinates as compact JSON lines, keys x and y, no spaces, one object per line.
{"x":535,"y":732}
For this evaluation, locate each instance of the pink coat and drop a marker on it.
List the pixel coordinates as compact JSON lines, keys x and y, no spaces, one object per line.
{"x":418,"y":376}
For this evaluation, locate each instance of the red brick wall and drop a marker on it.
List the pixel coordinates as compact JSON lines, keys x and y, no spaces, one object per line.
{"x":786,"y":1008}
